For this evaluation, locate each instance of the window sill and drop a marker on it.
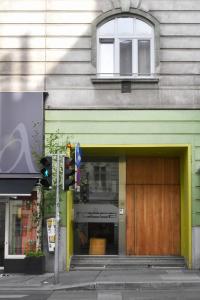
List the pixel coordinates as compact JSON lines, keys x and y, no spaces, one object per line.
{"x":125,"y":79}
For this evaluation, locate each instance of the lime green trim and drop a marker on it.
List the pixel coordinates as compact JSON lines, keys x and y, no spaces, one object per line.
{"x":181,"y":150}
{"x":70,"y":230}
{"x":134,"y":149}
{"x":134,"y":145}
{"x":186,"y":202}
{"x":189,"y":207}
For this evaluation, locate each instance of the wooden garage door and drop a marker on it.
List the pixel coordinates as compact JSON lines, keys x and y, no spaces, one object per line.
{"x":153,"y":206}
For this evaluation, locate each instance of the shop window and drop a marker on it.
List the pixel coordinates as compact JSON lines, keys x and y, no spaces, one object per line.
{"x":22,"y":226}
{"x":125,"y":47}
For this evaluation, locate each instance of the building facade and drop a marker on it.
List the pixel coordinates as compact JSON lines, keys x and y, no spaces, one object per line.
{"x":123,"y":80}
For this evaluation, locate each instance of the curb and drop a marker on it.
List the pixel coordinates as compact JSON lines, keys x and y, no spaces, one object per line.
{"x":151,"y":285}
{"x":129,"y":285}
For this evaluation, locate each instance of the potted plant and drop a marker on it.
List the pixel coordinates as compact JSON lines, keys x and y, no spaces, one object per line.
{"x":34,"y":262}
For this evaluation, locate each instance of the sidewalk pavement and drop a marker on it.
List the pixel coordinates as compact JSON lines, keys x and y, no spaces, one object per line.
{"x":151,"y":278}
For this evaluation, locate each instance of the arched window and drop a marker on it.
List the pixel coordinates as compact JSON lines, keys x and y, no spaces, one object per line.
{"x":125,"y":47}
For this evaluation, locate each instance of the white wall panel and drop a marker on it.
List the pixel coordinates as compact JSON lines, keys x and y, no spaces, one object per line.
{"x":180,"y":68}
{"x":68,"y":81}
{"x":22,"y":55}
{"x":22,"y":68}
{"x":74,"y":5}
{"x":180,"y":55}
{"x":180,"y":42}
{"x":69,"y":68}
{"x":22,"y":29}
{"x":22,"y":17}
{"x":180,"y":29}
{"x":68,"y":42}
{"x":71,"y":17}
{"x":177,"y":17}
{"x":171,"y":5}
{"x":28,"y":5}
{"x":57,"y":55}
{"x":68,"y":48}
{"x":180,"y":80}
{"x":21,"y":42}
{"x":21,"y":83}
{"x":69,"y":29}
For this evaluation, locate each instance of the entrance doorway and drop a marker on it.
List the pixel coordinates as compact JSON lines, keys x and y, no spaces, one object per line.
{"x":182,"y":171}
{"x":2,"y":232}
{"x":153,"y":206}
{"x":96,"y":208}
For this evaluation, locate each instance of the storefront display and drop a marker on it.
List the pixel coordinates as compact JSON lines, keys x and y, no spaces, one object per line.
{"x":22,"y":226}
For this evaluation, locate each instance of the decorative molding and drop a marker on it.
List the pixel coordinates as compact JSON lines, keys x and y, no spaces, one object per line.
{"x":107,"y":5}
{"x":115,"y":3}
{"x":125,"y":5}
{"x":135,"y":3}
{"x":139,"y":4}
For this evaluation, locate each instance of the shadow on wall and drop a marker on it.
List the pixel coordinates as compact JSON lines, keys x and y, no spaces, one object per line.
{"x":61,"y":60}
{"x":62,"y":63}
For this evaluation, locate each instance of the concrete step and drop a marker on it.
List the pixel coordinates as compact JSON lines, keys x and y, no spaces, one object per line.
{"x":125,"y":262}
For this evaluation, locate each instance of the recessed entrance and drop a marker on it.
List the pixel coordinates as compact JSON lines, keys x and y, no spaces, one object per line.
{"x":176,"y":191}
{"x":153,"y":206}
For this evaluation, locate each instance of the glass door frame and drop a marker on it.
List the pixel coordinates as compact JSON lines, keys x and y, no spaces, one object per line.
{"x":5,"y":201}
{"x":122,"y":207}
{"x":120,"y":232}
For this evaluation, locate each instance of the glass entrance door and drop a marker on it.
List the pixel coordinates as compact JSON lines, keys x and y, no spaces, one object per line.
{"x":2,"y":232}
{"x":96,"y":208}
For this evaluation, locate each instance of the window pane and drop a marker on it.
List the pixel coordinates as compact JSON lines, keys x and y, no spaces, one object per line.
{"x":106,"y":63}
{"x":144,"y":57}
{"x":22,"y":232}
{"x":125,"y":26}
{"x":108,"y":28}
{"x":96,"y":173}
{"x":126,"y":57}
{"x":142,"y":28}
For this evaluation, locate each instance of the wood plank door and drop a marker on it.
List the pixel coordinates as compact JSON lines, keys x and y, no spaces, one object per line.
{"x":153,"y":214}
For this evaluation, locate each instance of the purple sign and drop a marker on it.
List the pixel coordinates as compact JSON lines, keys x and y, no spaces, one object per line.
{"x":21,"y":132}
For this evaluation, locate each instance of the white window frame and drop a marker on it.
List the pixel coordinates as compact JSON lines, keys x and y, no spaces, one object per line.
{"x":99,"y":51}
{"x":116,"y":58}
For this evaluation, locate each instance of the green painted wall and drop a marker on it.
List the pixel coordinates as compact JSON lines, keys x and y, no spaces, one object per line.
{"x":133,"y":127}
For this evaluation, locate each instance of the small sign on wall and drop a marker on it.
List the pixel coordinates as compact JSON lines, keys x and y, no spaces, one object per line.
{"x":51,"y":234}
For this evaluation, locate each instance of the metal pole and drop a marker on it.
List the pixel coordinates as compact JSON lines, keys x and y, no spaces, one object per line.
{"x":56,"y":262}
